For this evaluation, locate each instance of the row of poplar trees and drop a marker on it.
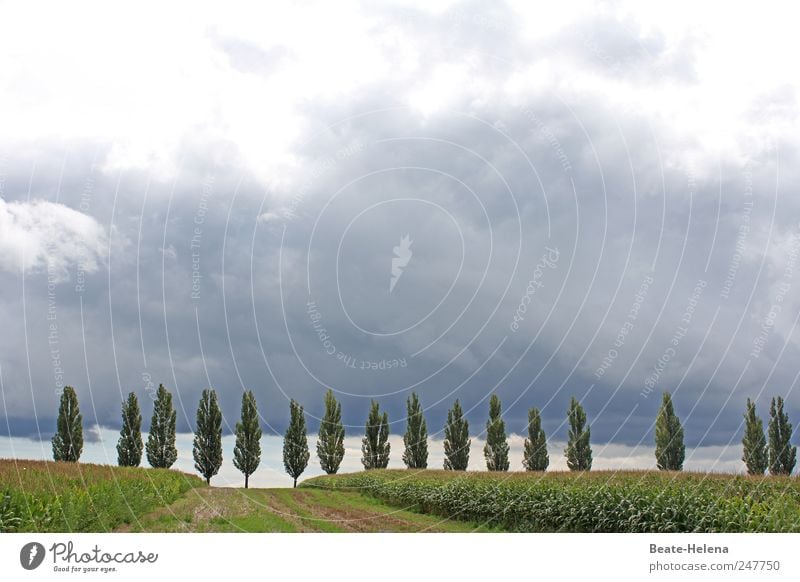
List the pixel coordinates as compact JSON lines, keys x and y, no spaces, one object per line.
{"x":760,"y":453}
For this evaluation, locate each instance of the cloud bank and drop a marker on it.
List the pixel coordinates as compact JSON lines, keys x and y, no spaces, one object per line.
{"x":600,"y":202}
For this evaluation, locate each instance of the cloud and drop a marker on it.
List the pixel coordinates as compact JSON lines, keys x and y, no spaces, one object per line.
{"x":93,"y":434}
{"x":169,"y":252}
{"x":283,"y":165}
{"x":269,"y":217}
{"x":42,"y":235}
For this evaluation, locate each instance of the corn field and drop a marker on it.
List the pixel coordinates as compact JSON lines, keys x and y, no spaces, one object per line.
{"x":588,"y":502}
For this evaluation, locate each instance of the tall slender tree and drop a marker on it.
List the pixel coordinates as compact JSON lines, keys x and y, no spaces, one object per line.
{"x":782,"y":455}
{"x":375,"y":444}
{"x":456,"y":440}
{"x":578,"y":451}
{"x":247,"y":450}
{"x":534,"y":456}
{"x":754,"y":443}
{"x":160,"y":447}
{"x":130,"y":444}
{"x":415,"y":440}
{"x":496,"y":449}
{"x":670,"y":450}
{"x":295,"y":443}
{"x":68,"y":439}
{"x":330,"y":444}
{"x":207,"y":450}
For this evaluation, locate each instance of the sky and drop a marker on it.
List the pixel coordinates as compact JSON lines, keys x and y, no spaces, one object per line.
{"x":590,"y":199}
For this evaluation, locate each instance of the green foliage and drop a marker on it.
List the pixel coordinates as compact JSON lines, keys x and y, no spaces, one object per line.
{"x":10,"y":518}
{"x":782,"y":455}
{"x":330,"y":444}
{"x":44,"y":497}
{"x":130,"y":444}
{"x":626,"y":502}
{"x":207,"y":450}
{"x":415,"y":440}
{"x":247,"y":451}
{"x":160,"y":447}
{"x":579,"y":451}
{"x":295,"y":443}
{"x":670,"y":450}
{"x":496,"y":449}
{"x":68,"y":440}
{"x":456,"y":440}
{"x":375,"y":444}
{"x":534,"y":456}
{"x":754,"y":442}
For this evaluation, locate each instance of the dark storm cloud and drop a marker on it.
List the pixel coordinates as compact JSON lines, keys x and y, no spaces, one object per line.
{"x":543,"y":224}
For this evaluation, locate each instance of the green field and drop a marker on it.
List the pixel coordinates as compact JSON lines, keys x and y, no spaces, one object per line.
{"x":40,"y":496}
{"x":602,"y":501}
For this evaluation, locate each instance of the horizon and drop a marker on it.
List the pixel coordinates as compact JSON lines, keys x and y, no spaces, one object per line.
{"x":607,"y":457}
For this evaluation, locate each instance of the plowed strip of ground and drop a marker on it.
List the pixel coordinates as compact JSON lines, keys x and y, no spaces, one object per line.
{"x":286,"y":510}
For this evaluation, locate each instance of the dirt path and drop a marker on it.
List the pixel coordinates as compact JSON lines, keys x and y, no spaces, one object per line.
{"x":211,"y":509}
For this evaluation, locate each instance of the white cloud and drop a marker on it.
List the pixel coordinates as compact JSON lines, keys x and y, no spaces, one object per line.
{"x":169,"y":252}
{"x":192,"y":76}
{"x":269,"y":217}
{"x":41,"y":235}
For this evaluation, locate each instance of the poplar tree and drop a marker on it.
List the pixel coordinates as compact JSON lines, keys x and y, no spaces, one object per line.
{"x":754,"y":443}
{"x":295,"y":443}
{"x":415,"y":440}
{"x":375,"y":444}
{"x":534,"y":456}
{"x":68,"y":439}
{"x":456,"y":440}
{"x":496,"y":449}
{"x":578,"y":451}
{"x":247,"y":450}
{"x":330,"y":444}
{"x":130,"y":445}
{"x":160,"y":447}
{"x":670,"y":450}
{"x":207,"y":450}
{"x":782,"y":455}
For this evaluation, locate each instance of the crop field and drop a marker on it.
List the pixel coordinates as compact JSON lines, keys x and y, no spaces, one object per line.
{"x":38,"y":496}
{"x":42,"y":496}
{"x":644,"y":501}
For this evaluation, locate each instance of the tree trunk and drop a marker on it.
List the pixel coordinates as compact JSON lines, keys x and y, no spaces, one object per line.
{"x":246,"y":479}
{"x":208,"y":480}
{"x":295,"y":481}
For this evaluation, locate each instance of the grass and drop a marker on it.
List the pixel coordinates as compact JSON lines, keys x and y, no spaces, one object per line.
{"x":645,"y":501}
{"x":43,"y":496}
{"x":286,"y":511}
